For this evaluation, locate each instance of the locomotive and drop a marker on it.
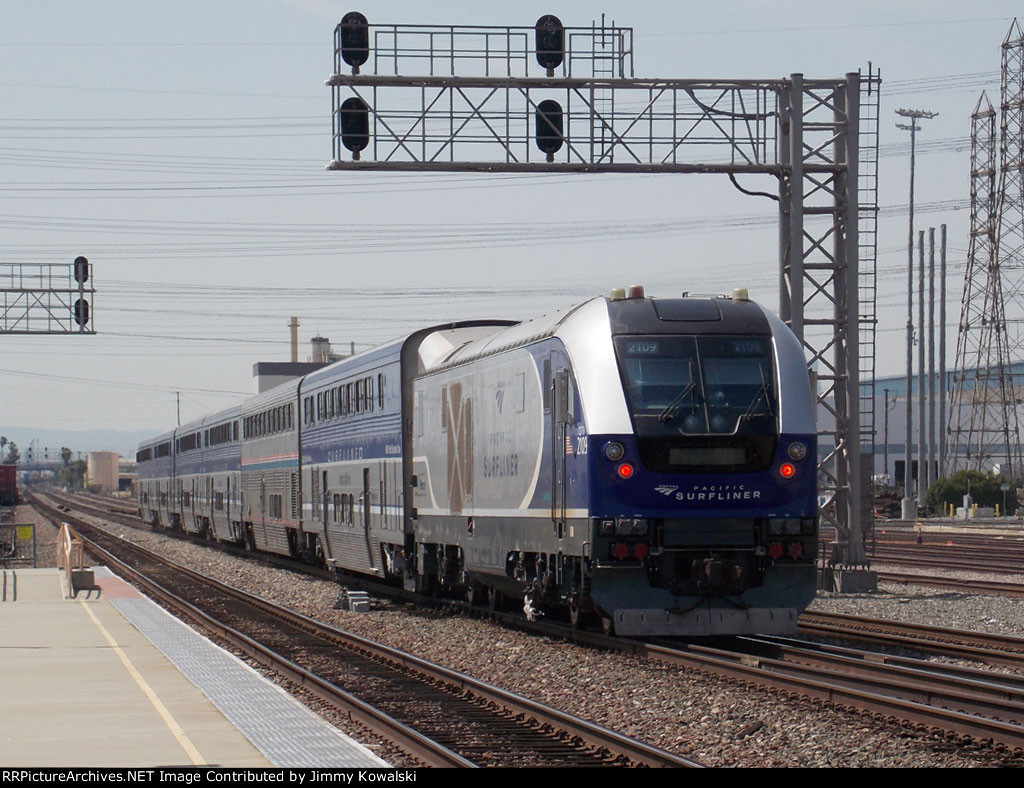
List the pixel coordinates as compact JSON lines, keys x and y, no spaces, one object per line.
{"x":647,"y":463}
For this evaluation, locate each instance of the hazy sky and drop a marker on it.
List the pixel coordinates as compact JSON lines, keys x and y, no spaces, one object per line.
{"x":180,"y":147}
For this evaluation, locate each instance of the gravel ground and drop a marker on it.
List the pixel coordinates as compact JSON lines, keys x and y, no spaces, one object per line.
{"x":715,"y":721}
{"x":997,"y":615}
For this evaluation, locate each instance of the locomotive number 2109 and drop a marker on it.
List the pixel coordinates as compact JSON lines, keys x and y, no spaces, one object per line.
{"x":642,"y":347}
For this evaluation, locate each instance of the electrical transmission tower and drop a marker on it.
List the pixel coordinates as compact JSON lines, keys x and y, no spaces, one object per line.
{"x":980,"y":412}
{"x":984,"y":417}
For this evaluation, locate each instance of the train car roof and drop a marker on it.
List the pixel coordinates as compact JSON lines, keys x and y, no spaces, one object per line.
{"x":507,"y":338}
{"x":189,"y":426}
{"x":436,"y":343}
{"x":284,"y":392}
{"x":352,"y":364}
{"x":228,"y":414}
{"x":687,"y":315}
{"x":156,"y":439}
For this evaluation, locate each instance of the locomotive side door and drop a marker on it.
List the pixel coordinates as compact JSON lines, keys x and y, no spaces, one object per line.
{"x":560,"y":437}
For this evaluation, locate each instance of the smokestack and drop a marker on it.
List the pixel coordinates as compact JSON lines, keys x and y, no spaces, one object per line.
{"x":293,"y":324}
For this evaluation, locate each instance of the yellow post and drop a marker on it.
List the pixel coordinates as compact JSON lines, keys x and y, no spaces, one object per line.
{"x":997,"y":510}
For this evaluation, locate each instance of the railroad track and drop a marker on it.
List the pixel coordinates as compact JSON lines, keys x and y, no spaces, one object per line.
{"x":441,"y":717}
{"x":992,"y":560}
{"x":973,"y":705}
{"x":969,"y":707}
{"x":996,"y":650}
{"x":954,"y":583}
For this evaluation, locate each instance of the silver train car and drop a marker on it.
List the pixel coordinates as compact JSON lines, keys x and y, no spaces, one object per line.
{"x":648,"y":464}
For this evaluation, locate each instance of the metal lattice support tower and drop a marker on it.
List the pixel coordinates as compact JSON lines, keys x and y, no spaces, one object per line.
{"x":819,"y":286}
{"x":469,"y":99}
{"x":867,"y":253}
{"x":979,"y":415}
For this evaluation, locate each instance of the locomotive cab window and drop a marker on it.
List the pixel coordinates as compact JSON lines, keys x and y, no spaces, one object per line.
{"x":706,"y":402}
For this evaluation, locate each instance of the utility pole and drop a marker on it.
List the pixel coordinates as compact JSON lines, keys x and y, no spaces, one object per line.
{"x":909,"y":505}
{"x":885,"y":446}
{"x":922,"y":428}
{"x":929,"y":476}
{"x":943,"y":427}
{"x":177,"y":394}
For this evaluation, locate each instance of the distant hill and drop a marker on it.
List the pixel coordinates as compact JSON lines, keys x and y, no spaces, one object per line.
{"x":124,"y":443}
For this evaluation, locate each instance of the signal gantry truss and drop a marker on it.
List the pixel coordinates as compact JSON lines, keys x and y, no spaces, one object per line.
{"x":46,"y":298}
{"x":561,"y":99}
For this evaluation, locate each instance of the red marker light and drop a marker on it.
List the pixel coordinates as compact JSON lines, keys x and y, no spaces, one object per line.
{"x":625,"y":471}
{"x":795,"y":550}
{"x":775,"y":550}
{"x":640,"y":551}
{"x":620,"y":551}
{"x":787,"y":470}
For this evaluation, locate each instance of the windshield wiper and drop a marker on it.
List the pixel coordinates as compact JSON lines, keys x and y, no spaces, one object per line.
{"x":666,"y":415}
{"x":761,"y":392}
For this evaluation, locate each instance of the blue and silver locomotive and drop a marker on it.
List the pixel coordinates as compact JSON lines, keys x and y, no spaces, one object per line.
{"x":650,"y":463}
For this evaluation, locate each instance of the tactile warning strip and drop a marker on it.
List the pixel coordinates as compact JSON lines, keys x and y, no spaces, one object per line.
{"x":285,"y":731}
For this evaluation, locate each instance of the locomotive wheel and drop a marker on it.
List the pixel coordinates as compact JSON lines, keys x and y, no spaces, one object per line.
{"x":493,"y":599}
{"x":575,"y":615}
{"x":607,"y":625}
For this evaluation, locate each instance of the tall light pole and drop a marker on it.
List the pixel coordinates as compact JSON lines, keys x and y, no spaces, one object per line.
{"x":885,"y":450}
{"x":909,"y":507}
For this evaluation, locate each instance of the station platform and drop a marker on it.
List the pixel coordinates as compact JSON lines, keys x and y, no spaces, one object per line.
{"x":110,"y":679}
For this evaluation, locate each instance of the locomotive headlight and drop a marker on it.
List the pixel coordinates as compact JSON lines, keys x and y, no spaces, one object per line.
{"x":627,"y":526}
{"x":797,"y":450}
{"x":614,"y":451}
{"x":784,"y":525}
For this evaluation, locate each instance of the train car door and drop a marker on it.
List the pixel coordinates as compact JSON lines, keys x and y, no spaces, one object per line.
{"x":367,"y":505}
{"x":320,"y":509}
{"x":263,"y":514}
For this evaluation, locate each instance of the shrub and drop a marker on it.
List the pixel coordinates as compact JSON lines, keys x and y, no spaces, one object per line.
{"x":985,"y":490}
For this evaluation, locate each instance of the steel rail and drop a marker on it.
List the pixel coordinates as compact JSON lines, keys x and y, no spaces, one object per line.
{"x":923,"y":682}
{"x":1000,"y":650}
{"x":1006,"y":682}
{"x":760,"y":672}
{"x":839,"y":689}
{"x":424,"y":749}
{"x":594,"y":735}
{"x":985,"y":565}
{"x":975,"y":586}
